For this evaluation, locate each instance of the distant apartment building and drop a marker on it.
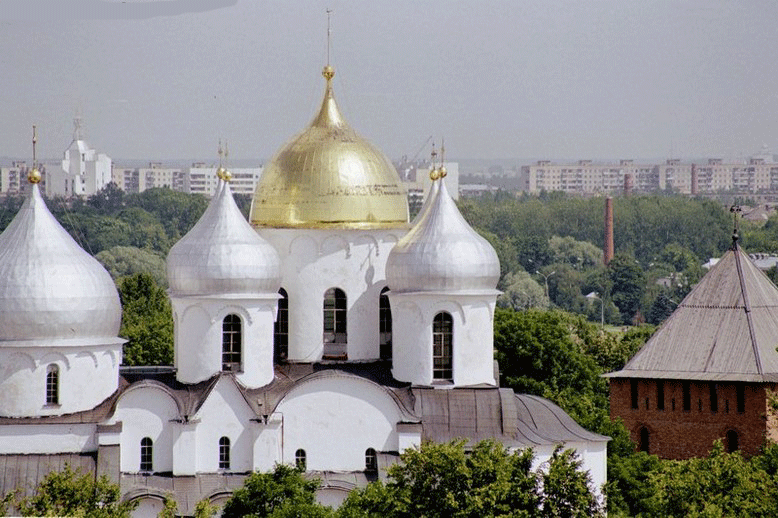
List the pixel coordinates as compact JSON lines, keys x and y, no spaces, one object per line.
{"x":155,"y":175}
{"x":13,"y":179}
{"x":758,"y":174}
{"x":202,"y":180}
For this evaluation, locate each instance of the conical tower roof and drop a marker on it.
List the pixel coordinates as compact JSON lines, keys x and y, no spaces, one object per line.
{"x":50,"y":288}
{"x":725,"y":329}
{"x":329,"y":177}
{"x":442,"y":252}
{"x":222,"y":254}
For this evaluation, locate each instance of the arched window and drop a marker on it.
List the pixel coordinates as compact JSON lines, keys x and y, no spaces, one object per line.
{"x":335,"y":338}
{"x":442,"y":346}
{"x":146,"y":454}
{"x":52,"y":385}
{"x":300,"y":460}
{"x":371,"y":460}
{"x":643,"y":439}
{"x":384,"y":326}
{"x":281,"y":328}
{"x":732,"y":441}
{"x":231,"y":343}
{"x":224,"y":453}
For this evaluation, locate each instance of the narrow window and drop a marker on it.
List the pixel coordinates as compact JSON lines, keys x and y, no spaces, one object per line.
{"x":732,"y":441}
{"x":300,"y":460}
{"x":52,"y":385}
{"x":281,"y":328}
{"x":660,"y":395}
{"x":335,"y":338}
{"x":371,"y":460}
{"x":643,"y":439}
{"x":442,"y":346}
{"x":231,"y":343}
{"x":384,"y":326}
{"x":687,"y":396}
{"x":741,"y":398}
{"x":633,"y":392}
{"x":224,"y":453}
{"x":714,"y":398}
{"x":146,"y":454}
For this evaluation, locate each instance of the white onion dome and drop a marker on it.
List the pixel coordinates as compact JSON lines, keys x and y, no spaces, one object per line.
{"x":442,"y":252}
{"x":328,"y":176}
{"x":222,"y":254}
{"x":50,"y":288}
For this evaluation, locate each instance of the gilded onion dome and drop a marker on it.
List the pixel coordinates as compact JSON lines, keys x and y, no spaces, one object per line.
{"x":329,"y":176}
{"x":50,"y":288}
{"x":442,"y":252}
{"x":222,"y":254}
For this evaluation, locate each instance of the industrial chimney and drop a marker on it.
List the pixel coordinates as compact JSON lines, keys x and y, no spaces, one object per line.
{"x":608,"y":250}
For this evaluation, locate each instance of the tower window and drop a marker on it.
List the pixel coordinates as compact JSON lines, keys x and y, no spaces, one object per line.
{"x":384,"y":326}
{"x":300,"y":460}
{"x":224,"y":453}
{"x":643,"y":444}
{"x":732,"y":441}
{"x":371,"y":460}
{"x":146,"y":454}
{"x":660,"y":395}
{"x":281,"y":328}
{"x":231,"y":343}
{"x":633,"y":392}
{"x":335,"y":338}
{"x":52,"y":385}
{"x":741,"y":397}
{"x":442,"y":346}
{"x":714,"y":398}
{"x":687,"y":396}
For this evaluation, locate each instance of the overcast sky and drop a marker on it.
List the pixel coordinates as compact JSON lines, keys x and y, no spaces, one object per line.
{"x":165,"y":79}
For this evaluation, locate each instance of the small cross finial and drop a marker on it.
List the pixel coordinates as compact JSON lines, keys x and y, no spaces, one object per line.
{"x":329,"y":33}
{"x":735,"y":210}
{"x":34,"y":176}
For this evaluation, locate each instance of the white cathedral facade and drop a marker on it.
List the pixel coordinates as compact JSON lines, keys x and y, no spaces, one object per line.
{"x":328,"y":332}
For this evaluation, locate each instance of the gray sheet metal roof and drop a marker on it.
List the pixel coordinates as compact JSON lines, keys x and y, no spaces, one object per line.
{"x":726,"y":329}
{"x":516,"y":420}
{"x":24,"y":472}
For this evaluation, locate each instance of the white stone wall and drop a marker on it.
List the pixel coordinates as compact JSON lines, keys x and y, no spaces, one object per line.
{"x":198,"y":337}
{"x":313,"y":261}
{"x":473,"y":317}
{"x":88,"y":374}
{"x":47,"y":439}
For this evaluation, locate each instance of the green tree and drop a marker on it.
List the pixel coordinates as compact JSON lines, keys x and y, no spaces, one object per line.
{"x":522,"y":292}
{"x":124,"y":261}
{"x":147,"y":321}
{"x":628,"y":282}
{"x":566,"y":489}
{"x":72,"y":493}
{"x":283,"y":492}
{"x":579,"y":254}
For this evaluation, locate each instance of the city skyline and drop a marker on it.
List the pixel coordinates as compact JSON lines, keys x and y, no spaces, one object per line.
{"x":496,"y":79}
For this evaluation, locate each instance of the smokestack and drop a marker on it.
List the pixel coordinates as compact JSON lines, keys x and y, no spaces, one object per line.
{"x":608,"y":250}
{"x":694,"y":180}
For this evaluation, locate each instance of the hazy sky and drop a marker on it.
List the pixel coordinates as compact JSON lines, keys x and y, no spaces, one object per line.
{"x":164,"y":79}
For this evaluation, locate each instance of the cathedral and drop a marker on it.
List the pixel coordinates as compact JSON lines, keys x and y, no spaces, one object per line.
{"x":327,"y":332}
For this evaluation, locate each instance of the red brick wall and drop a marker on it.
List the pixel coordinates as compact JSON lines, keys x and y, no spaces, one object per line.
{"x":675,"y":433}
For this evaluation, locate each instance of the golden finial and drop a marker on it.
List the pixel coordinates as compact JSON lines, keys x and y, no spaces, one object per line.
{"x":221,"y":170}
{"x":442,"y":169}
{"x":328,"y":72}
{"x":227,"y":176}
{"x":34,"y":176}
{"x":434,"y":173}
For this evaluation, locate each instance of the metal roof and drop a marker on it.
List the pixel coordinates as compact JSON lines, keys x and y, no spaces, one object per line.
{"x":726,"y":329}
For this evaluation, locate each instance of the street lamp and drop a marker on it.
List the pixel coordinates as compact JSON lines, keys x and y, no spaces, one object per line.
{"x":545,"y":278}
{"x":593,"y":295}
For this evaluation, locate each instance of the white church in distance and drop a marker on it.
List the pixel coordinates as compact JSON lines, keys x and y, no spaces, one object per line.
{"x":329,"y":332}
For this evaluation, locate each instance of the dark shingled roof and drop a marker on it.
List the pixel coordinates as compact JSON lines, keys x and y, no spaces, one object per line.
{"x":726,"y":329}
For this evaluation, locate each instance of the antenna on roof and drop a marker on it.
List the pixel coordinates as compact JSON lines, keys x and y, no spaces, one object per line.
{"x":735,"y":210}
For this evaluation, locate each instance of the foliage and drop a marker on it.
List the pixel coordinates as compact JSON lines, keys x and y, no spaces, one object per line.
{"x":628,"y":282}
{"x":169,"y":508}
{"x":579,"y":254}
{"x":205,"y":509}
{"x":442,"y":480}
{"x":71,"y":493}
{"x":123,"y":261}
{"x":522,"y":292}
{"x":147,"y":321}
{"x":281,"y":493}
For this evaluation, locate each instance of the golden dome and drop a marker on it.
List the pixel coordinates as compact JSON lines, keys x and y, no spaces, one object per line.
{"x":329,"y":176}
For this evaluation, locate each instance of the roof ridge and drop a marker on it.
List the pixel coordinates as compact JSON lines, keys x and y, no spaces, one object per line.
{"x":747,"y":309}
